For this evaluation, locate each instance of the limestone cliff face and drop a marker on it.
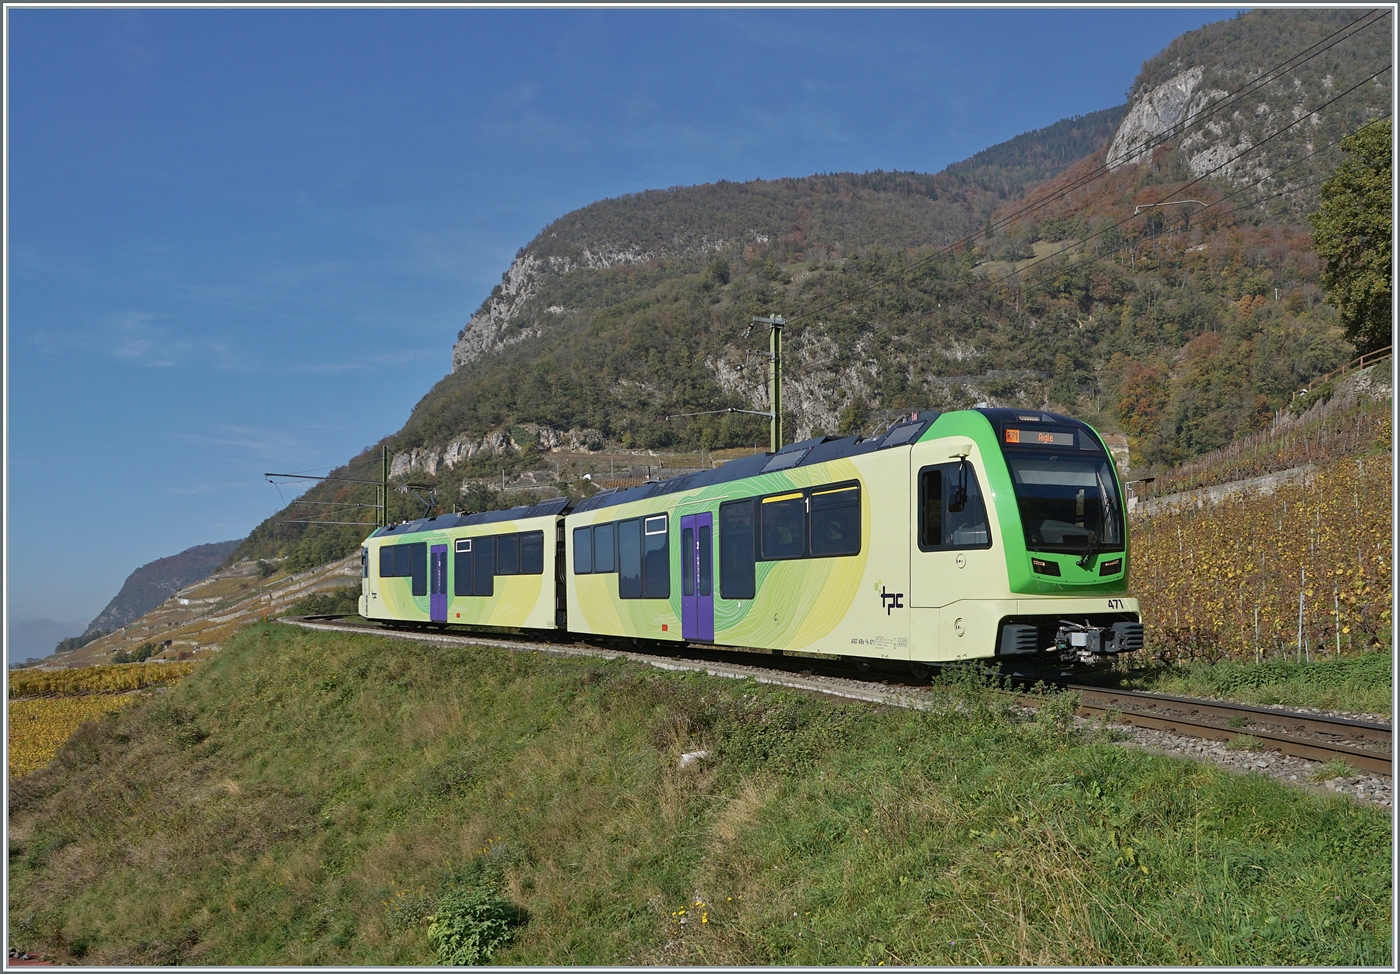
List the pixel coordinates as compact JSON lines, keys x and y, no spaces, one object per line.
{"x":430,"y":460}
{"x":1227,"y":94}
{"x":1156,"y":111}
{"x":511,"y":313}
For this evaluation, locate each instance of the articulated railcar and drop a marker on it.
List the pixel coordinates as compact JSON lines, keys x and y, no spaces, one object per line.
{"x":961,"y":535}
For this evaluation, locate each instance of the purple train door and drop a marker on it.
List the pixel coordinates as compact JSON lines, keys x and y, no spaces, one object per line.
{"x":697,"y":578}
{"x":437,"y":583}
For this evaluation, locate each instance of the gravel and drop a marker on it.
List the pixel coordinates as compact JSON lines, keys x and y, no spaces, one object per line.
{"x":1360,"y":785}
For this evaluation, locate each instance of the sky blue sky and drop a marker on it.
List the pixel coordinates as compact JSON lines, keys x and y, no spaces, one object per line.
{"x":244,"y":240}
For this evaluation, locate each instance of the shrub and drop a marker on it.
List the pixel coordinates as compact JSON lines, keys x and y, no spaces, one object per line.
{"x":470,"y":924}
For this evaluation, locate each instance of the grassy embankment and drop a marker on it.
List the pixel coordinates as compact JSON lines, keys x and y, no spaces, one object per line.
{"x":47,"y":706}
{"x":313,"y":798}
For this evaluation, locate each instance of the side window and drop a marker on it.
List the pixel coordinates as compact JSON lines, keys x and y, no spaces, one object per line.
{"x":508,"y":554}
{"x":532,"y":553}
{"x":706,"y":561}
{"x":462,"y":569}
{"x":419,"y":562}
{"x":836,"y":521}
{"x":583,"y":551}
{"x":403,"y":560}
{"x":629,"y":559}
{"x":386,"y":561}
{"x":966,"y":528}
{"x":940,"y":526}
{"x":656,"y":551}
{"x":364,"y":563}
{"x":604,"y":536}
{"x":484,"y":550}
{"x":784,"y":524}
{"x":687,"y":561}
{"x":930,"y":507}
{"x":736,"y":554}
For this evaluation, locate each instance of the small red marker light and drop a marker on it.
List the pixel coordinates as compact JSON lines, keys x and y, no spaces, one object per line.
{"x":663,"y":627}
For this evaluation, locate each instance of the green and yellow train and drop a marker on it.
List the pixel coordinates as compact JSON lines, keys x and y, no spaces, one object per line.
{"x":950,"y":536}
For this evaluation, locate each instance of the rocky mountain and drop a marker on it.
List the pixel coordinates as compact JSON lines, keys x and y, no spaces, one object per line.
{"x":1227,"y":88}
{"x":1025,"y":275}
{"x":154,"y":582}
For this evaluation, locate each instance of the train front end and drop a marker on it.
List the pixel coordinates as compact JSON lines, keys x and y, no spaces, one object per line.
{"x":1066,"y":534}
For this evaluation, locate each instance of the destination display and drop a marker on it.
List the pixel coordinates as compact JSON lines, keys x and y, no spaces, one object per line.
{"x":1038,"y":437}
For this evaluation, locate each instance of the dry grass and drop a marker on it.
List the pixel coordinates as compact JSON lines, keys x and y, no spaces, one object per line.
{"x":316,"y":794}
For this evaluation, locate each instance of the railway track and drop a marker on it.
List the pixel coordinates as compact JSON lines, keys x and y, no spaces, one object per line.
{"x":1315,"y":737}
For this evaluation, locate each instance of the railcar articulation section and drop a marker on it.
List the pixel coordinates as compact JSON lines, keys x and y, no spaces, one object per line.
{"x":950,"y":536}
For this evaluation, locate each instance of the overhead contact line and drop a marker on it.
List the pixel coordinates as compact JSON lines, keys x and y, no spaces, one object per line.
{"x":1250,"y":87}
{"x":986,"y":285}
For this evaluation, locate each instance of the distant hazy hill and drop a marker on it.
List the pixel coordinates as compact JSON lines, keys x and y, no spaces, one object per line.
{"x":153,"y":583}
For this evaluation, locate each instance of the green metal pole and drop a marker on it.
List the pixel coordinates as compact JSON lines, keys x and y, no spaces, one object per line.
{"x":775,"y":382}
{"x":384,"y":490}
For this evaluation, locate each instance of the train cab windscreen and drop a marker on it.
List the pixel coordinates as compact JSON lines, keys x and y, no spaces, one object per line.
{"x":1068,"y":498}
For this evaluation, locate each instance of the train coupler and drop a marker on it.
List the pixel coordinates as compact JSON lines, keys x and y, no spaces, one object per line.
{"x":1086,"y":643}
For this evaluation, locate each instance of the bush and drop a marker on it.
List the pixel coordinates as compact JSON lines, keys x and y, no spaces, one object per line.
{"x":470,"y":924}
{"x":341,"y":601}
{"x":142,"y":653}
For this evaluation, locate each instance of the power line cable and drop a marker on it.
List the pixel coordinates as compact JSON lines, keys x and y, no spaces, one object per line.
{"x":1091,"y":258}
{"x":993,"y":283}
{"x":1199,"y":118}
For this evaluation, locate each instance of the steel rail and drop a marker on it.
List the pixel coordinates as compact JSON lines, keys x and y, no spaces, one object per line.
{"x":1339,"y":727}
{"x":1102,"y":702}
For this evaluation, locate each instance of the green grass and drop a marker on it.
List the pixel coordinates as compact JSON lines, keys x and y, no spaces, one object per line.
{"x":1355,"y":684}
{"x":311,"y":798}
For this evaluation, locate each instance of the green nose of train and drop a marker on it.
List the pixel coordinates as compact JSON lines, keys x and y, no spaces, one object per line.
{"x":947,"y":536}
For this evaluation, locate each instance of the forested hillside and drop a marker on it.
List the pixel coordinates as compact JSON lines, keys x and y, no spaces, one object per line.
{"x":1033,"y":273}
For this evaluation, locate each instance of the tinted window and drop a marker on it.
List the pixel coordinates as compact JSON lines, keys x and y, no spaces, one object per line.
{"x":485,"y":551}
{"x":1066,"y":500}
{"x":687,"y":561}
{"x":939,"y":525}
{"x":386,"y":561}
{"x":583,"y":551}
{"x":657,"y":562}
{"x":736,"y":555}
{"x":784,"y":521}
{"x":836,"y":521}
{"x":532,"y":553}
{"x":603,"y":545}
{"x":629,"y":559}
{"x":418,"y":554}
{"x":508,"y":554}
{"x":706,"y":562}
{"x":966,"y":528}
{"x":930,"y":508}
{"x":364,"y":563}
{"x":403,"y":560}
{"x":437,"y":576}
{"x":462,"y":572}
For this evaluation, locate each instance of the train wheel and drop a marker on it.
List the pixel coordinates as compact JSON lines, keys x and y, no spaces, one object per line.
{"x":923,"y":672}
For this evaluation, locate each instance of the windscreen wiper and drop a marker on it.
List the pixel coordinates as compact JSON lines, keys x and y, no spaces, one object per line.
{"x":1090,"y":550}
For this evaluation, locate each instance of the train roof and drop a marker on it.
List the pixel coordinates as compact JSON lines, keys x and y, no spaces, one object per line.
{"x":440,"y":522}
{"x":819,"y":449}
